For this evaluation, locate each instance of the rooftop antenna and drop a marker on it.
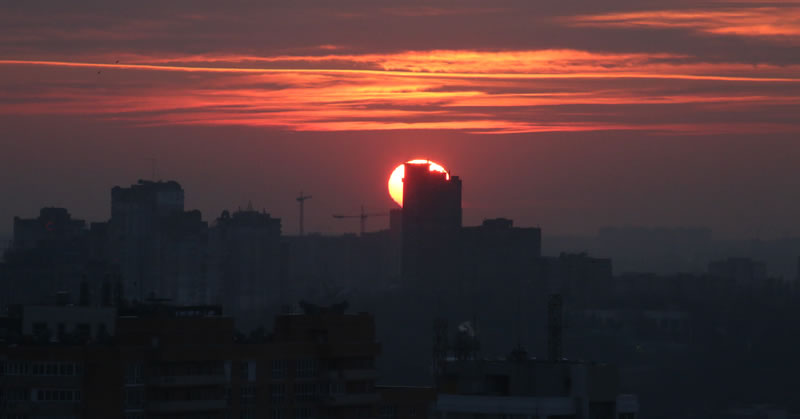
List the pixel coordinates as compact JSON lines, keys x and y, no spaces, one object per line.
{"x":302,"y":199}
{"x":153,"y":167}
{"x":363,"y":217}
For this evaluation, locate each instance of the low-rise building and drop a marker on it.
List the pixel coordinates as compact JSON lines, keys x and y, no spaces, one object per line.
{"x":524,"y":387}
{"x":189,"y":362}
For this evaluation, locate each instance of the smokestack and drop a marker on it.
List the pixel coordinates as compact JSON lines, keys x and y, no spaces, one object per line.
{"x":554,"y":327}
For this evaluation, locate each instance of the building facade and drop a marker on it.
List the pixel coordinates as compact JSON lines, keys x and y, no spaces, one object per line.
{"x":523,"y":387}
{"x":189,"y":362}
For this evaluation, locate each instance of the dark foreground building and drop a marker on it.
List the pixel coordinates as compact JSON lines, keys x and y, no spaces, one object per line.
{"x":189,"y":362}
{"x":523,"y":387}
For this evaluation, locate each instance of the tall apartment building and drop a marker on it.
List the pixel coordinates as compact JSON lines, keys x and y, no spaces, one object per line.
{"x":160,"y":248}
{"x":246,"y":269}
{"x":431,"y":222}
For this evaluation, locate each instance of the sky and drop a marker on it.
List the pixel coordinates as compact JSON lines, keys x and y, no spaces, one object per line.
{"x":566,"y":115}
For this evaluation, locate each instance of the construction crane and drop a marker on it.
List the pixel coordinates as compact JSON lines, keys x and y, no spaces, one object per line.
{"x":302,"y":199}
{"x":362,"y":217}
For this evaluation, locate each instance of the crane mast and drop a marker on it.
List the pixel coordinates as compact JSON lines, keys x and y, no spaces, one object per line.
{"x":301,"y":200}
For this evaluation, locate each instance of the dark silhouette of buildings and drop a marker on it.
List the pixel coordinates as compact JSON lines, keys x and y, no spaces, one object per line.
{"x":138,"y":214}
{"x":168,"y":362}
{"x":497,"y":249}
{"x":54,"y":228}
{"x":520,"y":386}
{"x":740,"y":270}
{"x":48,"y":255}
{"x":664,"y":331}
{"x":182,"y":258}
{"x":431,"y":223}
{"x":247,"y":262}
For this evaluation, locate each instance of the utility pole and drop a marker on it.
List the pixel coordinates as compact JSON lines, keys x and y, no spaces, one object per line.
{"x":302,"y":199}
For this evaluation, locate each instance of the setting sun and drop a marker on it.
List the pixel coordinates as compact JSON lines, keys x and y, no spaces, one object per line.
{"x":396,"y":179}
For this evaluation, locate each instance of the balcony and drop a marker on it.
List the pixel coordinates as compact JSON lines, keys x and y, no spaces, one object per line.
{"x":354,"y":374}
{"x":627,"y":403}
{"x":365,"y":374}
{"x":187,"y":381}
{"x":186,"y":406}
{"x":351,"y":399}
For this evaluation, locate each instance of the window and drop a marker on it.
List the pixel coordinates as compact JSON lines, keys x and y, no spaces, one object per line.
{"x":133,"y":373}
{"x":56,"y":395}
{"x":303,"y":413}
{"x":54,"y":369}
{"x":336,"y":387}
{"x":66,"y":369}
{"x":15,"y":368}
{"x":134,"y":398}
{"x":247,"y":394}
{"x":305,"y":392}
{"x":248,"y":371}
{"x":279,"y":368}
{"x":18,"y":394}
{"x":306,"y":368}
{"x":226,"y":366}
{"x":389,"y":412}
{"x":277,"y":392}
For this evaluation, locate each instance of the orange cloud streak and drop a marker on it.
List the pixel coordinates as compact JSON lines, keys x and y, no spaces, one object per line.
{"x":781,"y":23}
{"x":512,"y":72}
{"x":472,"y":91}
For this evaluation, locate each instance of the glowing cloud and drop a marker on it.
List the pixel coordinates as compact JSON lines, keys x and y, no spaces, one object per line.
{"x":471,"y":91}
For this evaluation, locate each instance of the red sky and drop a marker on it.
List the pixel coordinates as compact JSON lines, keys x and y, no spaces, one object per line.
{"x":569,"y":116}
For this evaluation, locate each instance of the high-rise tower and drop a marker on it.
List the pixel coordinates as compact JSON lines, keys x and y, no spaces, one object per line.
{"x":431,"y":222}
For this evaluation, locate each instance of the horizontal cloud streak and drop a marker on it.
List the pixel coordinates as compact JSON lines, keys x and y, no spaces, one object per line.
{"x":770,"y":23}
{"x":524,"y":65}
{"x":470,"y":91}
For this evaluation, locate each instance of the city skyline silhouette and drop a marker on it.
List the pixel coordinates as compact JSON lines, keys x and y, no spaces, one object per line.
{"x":392,"y":209}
